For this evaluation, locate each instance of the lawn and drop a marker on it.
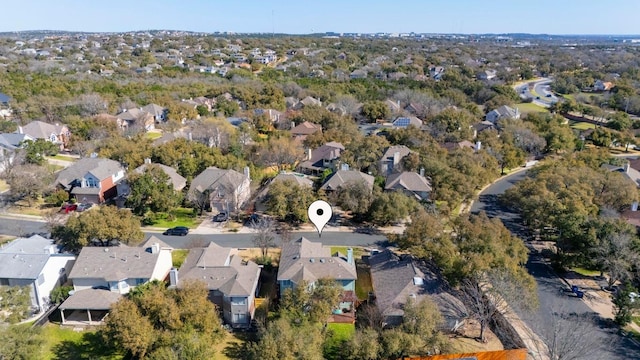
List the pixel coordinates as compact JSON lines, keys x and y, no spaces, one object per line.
{"x":585,"y":272}
{"x":182,"y":217}
{"x":65,"y":343}
{"x":63,"y":158}
{"x":582,"y":125}
{"x":178,"y":256}
{"x":339,"y":333}
{"x":529,"y":108}
{"x":153,"y":135}
{"x":357,"y":251}
{"x":363,"y":282}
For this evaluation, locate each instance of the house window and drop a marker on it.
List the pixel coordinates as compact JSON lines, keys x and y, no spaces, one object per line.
{"x":239,"y":318}
{"x":238,"y":301}
{"x":4,"y":282}
{"x":91,"y":182}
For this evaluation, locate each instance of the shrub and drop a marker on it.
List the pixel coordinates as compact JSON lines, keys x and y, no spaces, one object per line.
{"x":57,"y":198}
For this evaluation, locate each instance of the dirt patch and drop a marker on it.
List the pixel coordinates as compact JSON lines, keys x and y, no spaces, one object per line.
{"x":255,"y":253}
{"x":466,"y":341}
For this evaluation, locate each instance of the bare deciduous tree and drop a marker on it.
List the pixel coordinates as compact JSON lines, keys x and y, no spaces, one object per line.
{"x":265,"y":235}
{"x":617,"y":257}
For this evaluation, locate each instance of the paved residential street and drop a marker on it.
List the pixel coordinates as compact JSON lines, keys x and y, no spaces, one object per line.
{"x":603,"y":337}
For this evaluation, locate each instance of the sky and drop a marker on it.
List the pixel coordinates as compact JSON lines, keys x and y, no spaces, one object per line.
{"x":614,"y":17}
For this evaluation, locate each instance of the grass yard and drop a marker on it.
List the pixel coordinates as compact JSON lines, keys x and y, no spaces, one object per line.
{"x":231,"y":346}
{"x":64,"y":158}
{"x":36,"y":208}
{"x":182,"y":217}
{"x":339,"y":333}
{"x":582,"y":125}
{"x":530,"y":108}
{"x":65,"y":343}
{"x":178,"y":256}
{"x":152,"y":135}
{"x":585,"y":272}
{"x":363,"y":282}
{"x":357,"y":251}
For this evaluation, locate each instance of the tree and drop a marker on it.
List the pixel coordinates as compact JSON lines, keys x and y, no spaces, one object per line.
{"x":104,"y":226}
{"x":28,"y":181}
{"x":617,"y":256}
{"x":280,"y":152}
{"x":289,"y":201}
{"x":152,"y":191}
{"x":15,"y":303}
{"x":37,"y":150}
{"x":201,"y":200}
{"x":390,"y":207}
{"x":354,"y":196}
{"x":21,"y":342}
{"x":165,"y":323}
{"x":375,"y":110}
{"x":311,"y":303}
{"x":265,"y":236}
{"x":59,"y":294}
{"x":281,"y":339}
{"x":365,"y":345}
{"x":623,"y":305}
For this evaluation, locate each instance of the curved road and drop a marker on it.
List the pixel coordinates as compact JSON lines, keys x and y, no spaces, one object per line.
{"x":540,"y":87}
{"x":604,"y":339}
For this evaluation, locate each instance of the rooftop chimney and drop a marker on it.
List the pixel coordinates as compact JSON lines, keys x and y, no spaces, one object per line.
{"x":309,"y":154}
{"x":627,"y":166}
{"x":155,"y":248}
{"x":396,"y":158}
{"x":478,"y":146}
{"x":634,"y":206}
{"x":147,"y":160}
{"x":247,"y":172}
{"x":350,"y":256}
{"x":422,"y":171}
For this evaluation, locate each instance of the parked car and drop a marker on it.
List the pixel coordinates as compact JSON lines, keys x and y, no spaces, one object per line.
{"x":252,"y":219}
{"x":84,"y":206}
{"x":221,"y":217}
{"x":67,"y":208}
{"x":178,"y":230}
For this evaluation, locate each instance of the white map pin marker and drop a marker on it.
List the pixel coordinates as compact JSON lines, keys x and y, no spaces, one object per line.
{"x":320,"y":213}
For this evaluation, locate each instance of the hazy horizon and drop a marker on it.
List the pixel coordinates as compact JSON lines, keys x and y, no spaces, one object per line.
{"x":569,"y":17}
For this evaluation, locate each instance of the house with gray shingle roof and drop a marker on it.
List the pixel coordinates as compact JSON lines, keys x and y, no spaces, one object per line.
{"x":397,"y":278}
{"x":503,"y":112}
{"x":342,"y":177}
{"x":232,"y":281}
{"x":304,"y":129}
{"x":9,"y":143}
{"x":158,"y":112}
{"x":57,"y":134}
{"x":135,"y":117}
{"x":228,"y":190}
{"x":37,"y":263}
{"x":93,"y":180}
{"x":324,"y":157}
{"x":306,"y":261}
{"x":101,"y":275}
{"x":410,"y":183}
{"x":175,"y":179}
{"x":391,"y":159}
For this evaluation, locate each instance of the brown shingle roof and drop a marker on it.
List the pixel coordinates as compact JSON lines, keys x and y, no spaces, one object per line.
{"x":114,"y":263}
{"x":309,"y":261}
{"x":91,"y":299}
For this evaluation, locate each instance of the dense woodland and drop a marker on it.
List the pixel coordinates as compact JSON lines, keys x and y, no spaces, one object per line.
{"x":569,"y":200}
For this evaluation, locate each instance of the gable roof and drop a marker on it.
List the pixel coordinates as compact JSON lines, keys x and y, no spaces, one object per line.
{"x":40,"y":130}
{"x":405,"y":121}
{"x":34,"y":244}
{"x":22,"y":266}
{"x":214,"y":178}
{"x":342,"y":177}
{"x":298,"y":179}
{"x":114,"y":263}
{"x":91,"y":299}
{"x":4,"y":98}
{"x":391,"y":150}
{"x":175,"y":179}
{"x":305,"y":128}
{"x":309,"y":261}
{"x":221,"y":269}
{"x":308,"y":101}
{"x":153,"y":109}
{"x":505,"y":111}
{"x":408,"y":181}
{"x":99,"y":167}
{"x":329,"y":151}
{"x":12,"y":141}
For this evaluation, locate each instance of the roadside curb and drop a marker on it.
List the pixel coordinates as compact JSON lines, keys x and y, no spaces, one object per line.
{"x":6,"y":215}
{"x":468,"y":207}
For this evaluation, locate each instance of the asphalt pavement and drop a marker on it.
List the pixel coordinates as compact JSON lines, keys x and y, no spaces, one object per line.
{"x":603,"y":339}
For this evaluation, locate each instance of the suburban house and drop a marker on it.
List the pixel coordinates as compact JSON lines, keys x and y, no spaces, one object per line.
{"x":358,"y":74}
{"x":101,"y":275}
{"x":487,"y":74}
{"x":503,"y":112}
{"x":391,"y":159}
{"x":273,"y":115}
{"x":158,"y":112}
{"x":309,"y":101}
{"x":303,"y":260}
{"x":396,"y":278}
{"x":9,"y":143}
{"x":342,"y":177}
{"x":93,"y":180}
{"x":130,"y":118}
{"x":175,"y":179}
{"x":406,"y":121}
{"x":324,"y":157}
{"x":301,"y":131}
{"x":394,"y":106}
{"x":482,"y":126}
{"x":232,"y":281}
{"x":436,"y":72}
{"x":464,"y":144}
{"x":57,"y":134}
{"x":35,"y":262}
{"x":602,"y":85}
{"x":228,"y":190}
{"x":411,"y":183}
{"x":5,"y":109}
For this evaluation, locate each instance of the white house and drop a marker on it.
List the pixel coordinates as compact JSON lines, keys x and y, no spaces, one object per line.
{"x":35,"y":262}
{"x":503,"y":112}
